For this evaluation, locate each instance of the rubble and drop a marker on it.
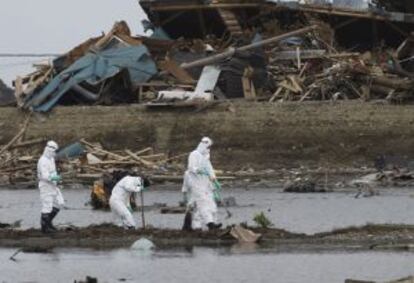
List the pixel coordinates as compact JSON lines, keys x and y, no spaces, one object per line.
{"x":273,"y":50}
{"x":82,"y":161}
{"x":303,"y":186}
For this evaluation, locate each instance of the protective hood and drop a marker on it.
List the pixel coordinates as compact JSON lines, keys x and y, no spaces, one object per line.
{"x":137,"y":182}
{"x":50,"y":149}
{"x":204,"y":146}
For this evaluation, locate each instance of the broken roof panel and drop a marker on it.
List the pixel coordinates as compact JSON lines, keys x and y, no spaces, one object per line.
{"x":94,"y":68}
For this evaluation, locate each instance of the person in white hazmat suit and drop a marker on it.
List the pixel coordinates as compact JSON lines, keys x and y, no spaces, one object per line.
{"x":120,"y":199}
{"x":198,"y":188}
{"x":50,"y":194}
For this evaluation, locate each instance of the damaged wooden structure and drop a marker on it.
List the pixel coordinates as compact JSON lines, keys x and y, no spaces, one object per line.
{"x":254,"y":49}
{"x":229,"y":18}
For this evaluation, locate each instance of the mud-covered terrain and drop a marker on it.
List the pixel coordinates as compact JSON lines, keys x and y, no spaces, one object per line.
{"x":109,"y":236}
{"x":257,"y":135}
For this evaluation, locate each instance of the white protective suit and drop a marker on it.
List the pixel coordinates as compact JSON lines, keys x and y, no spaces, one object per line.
{"x":199,"y":187}
{"x":50,"y":195}
{"x":120,"y":200}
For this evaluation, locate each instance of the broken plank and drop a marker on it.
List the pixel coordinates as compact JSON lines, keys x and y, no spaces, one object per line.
{"x":179,"y":73}
{"x":96,"y":149}
{"x":139,"y":159}
{"x":289,"y":87}
{"x":114,"y":162}
{"x":16,"y":137}
{"x":276,"y":94}
{"x":28,"y":143}
{"x":248,"y":89}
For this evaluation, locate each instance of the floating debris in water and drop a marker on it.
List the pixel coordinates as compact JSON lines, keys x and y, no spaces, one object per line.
{"x":143,"y":244}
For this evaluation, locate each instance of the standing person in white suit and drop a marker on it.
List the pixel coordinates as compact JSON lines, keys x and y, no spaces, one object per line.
{"x":198,"y":187}
{"x":50,"y":195}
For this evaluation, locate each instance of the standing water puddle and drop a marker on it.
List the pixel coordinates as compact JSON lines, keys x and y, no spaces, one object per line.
{"x":306,"y":213}
{"x":208,"y":265}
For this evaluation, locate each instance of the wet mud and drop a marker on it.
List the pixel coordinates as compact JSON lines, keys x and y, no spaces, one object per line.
{"x":108,"y":236}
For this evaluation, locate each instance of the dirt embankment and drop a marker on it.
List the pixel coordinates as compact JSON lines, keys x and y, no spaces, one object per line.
{"x":6,"y":94}
{"x":108,"y":236}
{"x":257,"y":135}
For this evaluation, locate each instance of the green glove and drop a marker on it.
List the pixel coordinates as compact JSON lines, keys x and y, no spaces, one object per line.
{"x":217,"y":189}
{"x":55,"y":178}
{"x":217,"y":185}
{"x":203,"y":172}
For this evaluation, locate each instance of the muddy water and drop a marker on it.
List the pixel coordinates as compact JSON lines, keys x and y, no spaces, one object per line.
{"x":203,"y":265}
{"x":308,"y":213}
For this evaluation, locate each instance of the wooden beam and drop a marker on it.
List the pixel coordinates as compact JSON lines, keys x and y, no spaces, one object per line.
{"x":171,"y":18}
{"x":202,"y":22}
{"x":139,"y":159}
{"x":202,"y":7}
{"x":345,"y":23}
{"x":387,"y":16}
{"x":397,"y":29}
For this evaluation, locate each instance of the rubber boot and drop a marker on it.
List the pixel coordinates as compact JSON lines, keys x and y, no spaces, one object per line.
{"x":44,"y":223}
{"x":188,"y":219}
{"x":213,"y":226}
{"x":52,"y":215}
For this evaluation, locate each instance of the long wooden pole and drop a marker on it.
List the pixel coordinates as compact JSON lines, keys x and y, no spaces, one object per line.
{"x":142,"y":210}
{"x":230,"y":52}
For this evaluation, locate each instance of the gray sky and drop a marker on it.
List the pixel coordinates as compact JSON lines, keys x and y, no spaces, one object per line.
{"x":56,"y":26}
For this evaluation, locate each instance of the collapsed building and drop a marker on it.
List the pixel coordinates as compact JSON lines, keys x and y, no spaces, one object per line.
{"x":259,"y":50}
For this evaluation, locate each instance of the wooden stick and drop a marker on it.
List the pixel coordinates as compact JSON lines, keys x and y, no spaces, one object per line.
{"x":305,"y":95}
{"x":139,"y":159}
{"x":228,"y":53}
{"x":115,"y":162}
{"x":153,"y":156}
{"x":28,"y":143}
{"x":174,"y":157}
{"x":93,"y":168}
{"x":145,"y":150}
{"x":15,"y":169}
{"x":142,"y":151}
{"x":298,"y":57}
{"x":276,"y":94}
{"x":94,"y":148}
{"x":16,"y":137}
{"x":142,"y":209}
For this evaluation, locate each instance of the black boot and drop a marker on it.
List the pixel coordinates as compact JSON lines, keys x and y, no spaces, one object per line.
{"x":188,"y":219}
{"x":213,"y":226}
{"x":52,"y":215}
{"x":44,"y":223}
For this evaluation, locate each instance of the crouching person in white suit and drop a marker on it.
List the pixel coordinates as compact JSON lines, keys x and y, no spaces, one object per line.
{"x":120,"y":199}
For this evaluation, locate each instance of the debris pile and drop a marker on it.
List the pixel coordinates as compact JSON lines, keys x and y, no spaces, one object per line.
{"x":400,"y":177}
{"x":82,"y":161}
{"x":303,"y":186}
{"x":276,"y":53}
